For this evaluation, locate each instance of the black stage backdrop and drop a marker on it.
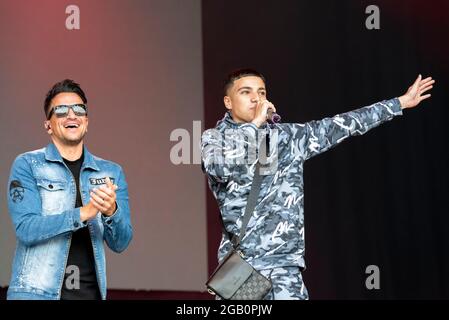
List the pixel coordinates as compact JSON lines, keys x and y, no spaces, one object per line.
{"x":379,"y":199}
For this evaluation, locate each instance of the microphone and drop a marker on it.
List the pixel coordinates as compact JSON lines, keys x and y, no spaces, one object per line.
{"x":273,"y":117}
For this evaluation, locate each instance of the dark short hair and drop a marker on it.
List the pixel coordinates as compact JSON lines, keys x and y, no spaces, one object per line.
{"x":237,"y":74}
{"x":65,"y":85}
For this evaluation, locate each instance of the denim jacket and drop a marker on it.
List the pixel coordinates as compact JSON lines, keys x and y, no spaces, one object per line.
{"x":41,"y":202}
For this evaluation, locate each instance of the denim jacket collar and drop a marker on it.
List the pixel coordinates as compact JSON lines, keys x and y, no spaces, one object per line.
{"x":52,"y":154}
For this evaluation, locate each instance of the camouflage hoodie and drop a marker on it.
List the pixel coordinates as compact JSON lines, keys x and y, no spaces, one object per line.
{"x":275,"y":233}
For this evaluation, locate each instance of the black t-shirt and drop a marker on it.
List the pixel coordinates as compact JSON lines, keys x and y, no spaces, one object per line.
{"x":81,"y":256}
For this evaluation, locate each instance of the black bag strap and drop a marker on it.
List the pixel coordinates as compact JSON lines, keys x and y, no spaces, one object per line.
{"x":251,"y":202}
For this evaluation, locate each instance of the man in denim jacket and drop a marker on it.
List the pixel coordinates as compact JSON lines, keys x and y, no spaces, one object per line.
{"x":64,"y":202}
{"x":274,"y":239}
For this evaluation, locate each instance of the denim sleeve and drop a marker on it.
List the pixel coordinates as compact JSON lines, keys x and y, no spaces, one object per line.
{"x":25,"y":208}
{"x":324,"y":134}
{"x":223,"y":153}
{"x":118,"y":230}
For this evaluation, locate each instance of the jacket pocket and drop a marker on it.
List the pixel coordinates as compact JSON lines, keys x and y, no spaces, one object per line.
{"x":54,"y":195}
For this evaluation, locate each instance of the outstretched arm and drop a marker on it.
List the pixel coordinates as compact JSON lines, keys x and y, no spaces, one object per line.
{"x":325,"y":134}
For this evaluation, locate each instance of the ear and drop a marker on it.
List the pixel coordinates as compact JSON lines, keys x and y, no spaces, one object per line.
{"x":47,"y":126}
{"x":227,"y":102}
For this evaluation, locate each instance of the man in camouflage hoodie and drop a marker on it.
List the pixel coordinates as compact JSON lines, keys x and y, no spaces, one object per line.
{"x":274,"y":239}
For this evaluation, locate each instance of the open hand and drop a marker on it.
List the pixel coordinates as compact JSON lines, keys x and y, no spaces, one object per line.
{"x":414,"y":94}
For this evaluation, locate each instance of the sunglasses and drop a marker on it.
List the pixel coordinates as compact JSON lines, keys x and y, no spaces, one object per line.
{"x":62,"y":111}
